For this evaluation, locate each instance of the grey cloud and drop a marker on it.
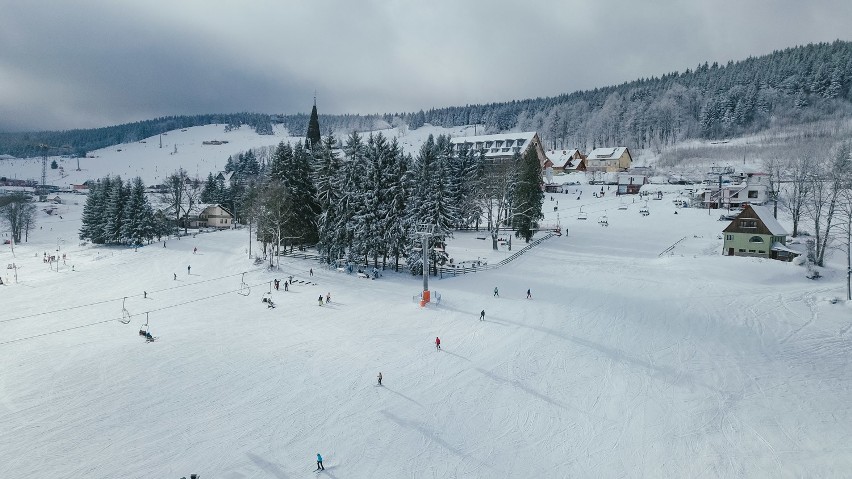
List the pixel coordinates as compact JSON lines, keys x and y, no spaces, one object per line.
{"x":97,"y":62}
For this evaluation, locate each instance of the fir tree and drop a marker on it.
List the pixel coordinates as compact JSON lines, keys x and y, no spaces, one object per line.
{"x":528,"y":196}
{"x":312,"y":138}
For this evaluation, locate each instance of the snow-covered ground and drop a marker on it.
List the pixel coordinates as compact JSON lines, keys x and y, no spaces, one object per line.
{"x":183,"y":149}
{"x":623,"y":364}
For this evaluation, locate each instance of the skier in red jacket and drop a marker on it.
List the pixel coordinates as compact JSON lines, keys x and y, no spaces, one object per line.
{"x":437,"y":343}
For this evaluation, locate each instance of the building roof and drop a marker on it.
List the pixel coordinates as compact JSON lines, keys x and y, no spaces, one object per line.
{"x":204,"y":206}
{"x":609,"y":153}
{"x":560,"y":158}
{"x":765,"y":216}
{"x":502,"y":144}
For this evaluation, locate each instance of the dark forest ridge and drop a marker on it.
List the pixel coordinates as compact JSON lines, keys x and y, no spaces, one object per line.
{"x":789,"y":87}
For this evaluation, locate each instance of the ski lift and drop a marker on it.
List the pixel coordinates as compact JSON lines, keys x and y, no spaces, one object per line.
{"x":244,"y":288}
{"x":644,"y":210}
{"x":125,"y":314}
{"x":145,"y":331}
{"x":581,"y":215}
{"x":622,"y":205}
{"x":603,"y":220}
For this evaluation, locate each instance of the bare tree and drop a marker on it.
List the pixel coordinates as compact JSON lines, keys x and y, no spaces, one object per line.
{"x":18,"y":212}
{"x":798,"y":190}
{"x":826,"y":184}
{"x":496,"y":195}
{"x":172,"y":195}
{"x":274,"y":213}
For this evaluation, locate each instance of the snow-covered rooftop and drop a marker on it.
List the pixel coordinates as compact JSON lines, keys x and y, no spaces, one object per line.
{"x":765,"y":215}
{"x":608,"y":153}
{"x":502,"y":144}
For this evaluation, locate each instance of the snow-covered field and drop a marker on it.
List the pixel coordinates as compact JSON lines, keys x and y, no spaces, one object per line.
{"x":623,"y":364}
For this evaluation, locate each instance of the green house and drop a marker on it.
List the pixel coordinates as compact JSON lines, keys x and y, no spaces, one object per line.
{"x":755,"y":232}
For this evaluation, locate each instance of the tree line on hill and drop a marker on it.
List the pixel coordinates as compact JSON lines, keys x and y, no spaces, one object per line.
{"x":794,"y":86}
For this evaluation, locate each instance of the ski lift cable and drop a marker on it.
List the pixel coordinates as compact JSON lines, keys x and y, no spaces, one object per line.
{"x":114,"y":299}
{"x":119,"y":318}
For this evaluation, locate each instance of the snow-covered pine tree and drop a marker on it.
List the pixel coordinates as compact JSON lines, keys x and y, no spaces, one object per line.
{"x":116,"y":198}
{"x":138,"y":225}
{"x":326,"y":170}
{"x":399,"y":185}
{"x":303,"y":193}
{"x":210,"y":193}
{"x":94,"y":211}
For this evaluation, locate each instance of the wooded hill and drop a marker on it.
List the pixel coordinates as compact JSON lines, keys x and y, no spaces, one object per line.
{"x":795,"y":86}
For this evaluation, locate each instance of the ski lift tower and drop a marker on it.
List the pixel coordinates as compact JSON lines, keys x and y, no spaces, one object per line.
{"x":425,"y":231}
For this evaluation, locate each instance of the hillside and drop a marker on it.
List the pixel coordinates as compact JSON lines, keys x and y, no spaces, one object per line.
{"x":623,"y":364}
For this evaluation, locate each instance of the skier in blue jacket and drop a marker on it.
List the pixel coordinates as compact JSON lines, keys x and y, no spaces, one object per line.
{"x":319,"y":463}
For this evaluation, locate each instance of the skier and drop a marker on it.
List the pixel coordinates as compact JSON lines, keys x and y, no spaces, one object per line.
{"x":328,"y":298}
{"x":194,"y":250}
{"x":285,"y":286}
{"x":276,"y":284}
{"x":496,"y":293}
{"x":482,"y":315}
{"x":145,"y":295}
{"x":175,"y":276}
{"x":529,"y":295}
{"x":437,"y":343}
{"x":164,"y":244}
{"x":319,"y":463}
{"x":187,"y":269}
{"x":380,"y":378}
{"x":311,"y":271}
{"x":320,"y":300}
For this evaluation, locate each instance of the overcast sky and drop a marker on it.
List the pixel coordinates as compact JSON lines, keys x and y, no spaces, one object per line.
{"x":90,"y":63}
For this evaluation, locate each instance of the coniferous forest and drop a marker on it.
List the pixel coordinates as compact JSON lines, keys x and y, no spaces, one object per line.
{"x":794,"y":86}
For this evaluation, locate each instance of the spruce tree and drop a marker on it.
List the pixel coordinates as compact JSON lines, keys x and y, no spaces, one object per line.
{"x":528,"y":196}
{"x":312,"y":138}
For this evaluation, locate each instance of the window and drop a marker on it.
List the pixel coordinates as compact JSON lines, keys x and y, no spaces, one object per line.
{"x":755,"y":239}
{"x":761,"y":252}
{"x":736,"y":195}
{"x":742,"y":250}
{"x":751,"y":251}
{"x":521,"y":142}
{"x":748,"y":223}
{"x":752,"y":194}
{"x":729,"y":237}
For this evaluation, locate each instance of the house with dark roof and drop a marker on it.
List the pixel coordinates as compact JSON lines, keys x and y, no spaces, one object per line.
{"x":755,"y":232}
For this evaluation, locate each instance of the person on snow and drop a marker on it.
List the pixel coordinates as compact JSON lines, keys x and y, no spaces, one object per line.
{"x":328,"y":297}
{"x":194,"y":250}
{"x":319,"y":463}
{"x":276,"y":284}
{"x":380,"y":378}
{"x":437,"y":343}
{"x":311,"y":271}
{"x":529,"y":295}
{"x":187,"y":269}
{"x":320,"y":300}
{"x":496,"y":293}
{"x":482,"y":315}
{"x":175,"y":276}
{"x":285,"y":286}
